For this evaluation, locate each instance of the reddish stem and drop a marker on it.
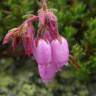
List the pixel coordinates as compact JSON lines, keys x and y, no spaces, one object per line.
{"x":74,"y":62}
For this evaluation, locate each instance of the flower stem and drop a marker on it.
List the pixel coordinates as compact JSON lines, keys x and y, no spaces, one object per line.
{"x":74,"y":62}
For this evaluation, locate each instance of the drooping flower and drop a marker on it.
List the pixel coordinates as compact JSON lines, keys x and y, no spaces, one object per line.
{"x":52,"y":25}
{"x":43,"y":56}
{"x":49,"y":48}
{"x":43,"y":52}
{"x":58,"y":44}
{"x":9,"y":36}
{"x":47,"y":73}
{"x":12,"y":36}
{"x":60,"y":52}
{"x":24,"y":34}
{"x":27,"y":37}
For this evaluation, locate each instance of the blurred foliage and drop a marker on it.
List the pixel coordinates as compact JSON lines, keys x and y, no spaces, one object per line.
{"x":77,"y":22}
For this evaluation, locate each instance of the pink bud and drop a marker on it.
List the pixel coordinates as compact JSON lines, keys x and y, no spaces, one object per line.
{"x":12,"y":36}
{"x":52,"y":24}
{"x":9,"y":35}
{"x":28,"y":38}
{"x":60,"y":52}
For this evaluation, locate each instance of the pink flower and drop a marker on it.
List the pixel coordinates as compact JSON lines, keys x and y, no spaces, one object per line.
{"x":23,"y":34}
{"x":43,"y":55}
{"x":9,"y":36}
{"x":60,"y":52}
{"x":42,"y":52}
{"x":52,"y":25}
{"x":59,"y":45}
{"x":47,"y":72}
{"x":49,"y":49}
{"x":27,"y":38}
{"x":59,"y":48}
{"x":12,"y":36}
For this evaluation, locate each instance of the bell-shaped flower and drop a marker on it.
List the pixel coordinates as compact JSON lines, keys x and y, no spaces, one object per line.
{"x":60,"y":52}
{"x":47,"y":72}
{"x":42,"y":52}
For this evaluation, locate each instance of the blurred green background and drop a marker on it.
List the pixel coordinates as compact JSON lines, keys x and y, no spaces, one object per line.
{"x":77,"y":22}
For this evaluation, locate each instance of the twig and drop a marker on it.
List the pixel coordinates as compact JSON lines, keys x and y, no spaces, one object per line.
{"x":74,"y":62}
